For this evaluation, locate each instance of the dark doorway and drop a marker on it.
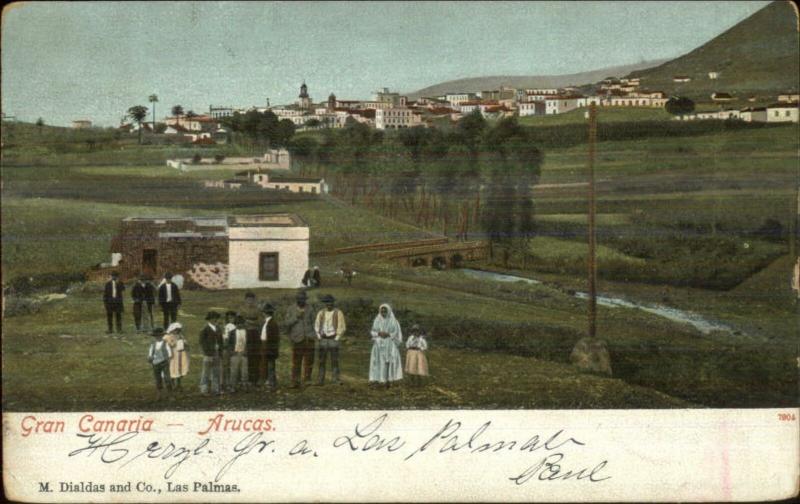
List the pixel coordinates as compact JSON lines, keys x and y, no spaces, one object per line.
{"x":149,"y":262}
{"x":439,"y":263}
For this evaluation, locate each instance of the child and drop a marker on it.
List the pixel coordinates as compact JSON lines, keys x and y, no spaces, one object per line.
{"x":179,"y":363}
{"x":159,"y":356}
{"x":238,"y":350}
{"x":416,"y":362}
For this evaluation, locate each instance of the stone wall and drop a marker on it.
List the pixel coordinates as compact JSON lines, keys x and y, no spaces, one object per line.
{"x":175,"y":254}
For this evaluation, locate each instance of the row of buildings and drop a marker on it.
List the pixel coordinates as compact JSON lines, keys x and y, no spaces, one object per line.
{"x":389,"y":110}
{"x":780,"y":112}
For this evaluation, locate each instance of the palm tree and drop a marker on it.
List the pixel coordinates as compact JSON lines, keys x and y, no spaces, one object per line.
{"x":153,"y":98}
{"x":138,"y":113}
{"x":177,"y":111}
{"x":190,"y":115}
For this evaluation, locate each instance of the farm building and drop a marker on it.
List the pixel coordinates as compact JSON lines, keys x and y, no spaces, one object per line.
{"x":242,"y":251}
{"x":782,"y":112}
{"x":721,"y":97}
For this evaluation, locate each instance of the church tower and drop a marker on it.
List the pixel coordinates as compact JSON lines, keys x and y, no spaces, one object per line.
{"x":304,"y":101}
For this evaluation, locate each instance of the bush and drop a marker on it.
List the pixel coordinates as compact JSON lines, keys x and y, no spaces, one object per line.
{"x":219,"y":158}
{"x":196,"y":159}
{"x":18,"y":305}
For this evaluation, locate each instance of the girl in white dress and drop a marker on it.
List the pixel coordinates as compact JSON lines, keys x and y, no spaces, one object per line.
{"x":416,"y":362}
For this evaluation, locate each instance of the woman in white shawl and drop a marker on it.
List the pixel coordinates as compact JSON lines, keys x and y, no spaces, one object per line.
{"x":385,"y":364}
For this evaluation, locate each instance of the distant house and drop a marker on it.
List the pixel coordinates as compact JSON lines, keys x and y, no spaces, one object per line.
{"x":782,"y":112}
{"x":81,"y":124}
{"x":277,"y":159}
{"x":396,"y":118}
{"x":176,"y":130}
{"x":534,"y":108}
{"x":713,"y":75}
{"x":309,"y":185}
{"x":721,"y":97}
{"x":224,"y":252}
{"x":789,"y":98}
{"x":561,"y":104}
{"x":459,"y":98}
{"x":681,"y":78}
{"x":753,"y":114}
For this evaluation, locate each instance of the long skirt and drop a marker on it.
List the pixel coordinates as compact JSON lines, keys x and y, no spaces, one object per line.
{"x":385,"y":364}
{"x":416,"y":363}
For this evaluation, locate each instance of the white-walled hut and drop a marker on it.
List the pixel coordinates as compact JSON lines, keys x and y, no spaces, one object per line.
{"x":233,"y":252}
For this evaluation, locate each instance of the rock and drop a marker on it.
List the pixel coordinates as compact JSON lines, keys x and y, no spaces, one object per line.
{"x":66,"y":336}
{"x":591,"y":355}
{"x":53,"y":297}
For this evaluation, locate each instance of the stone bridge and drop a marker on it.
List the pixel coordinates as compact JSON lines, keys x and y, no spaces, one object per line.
{"x":442,"y":256}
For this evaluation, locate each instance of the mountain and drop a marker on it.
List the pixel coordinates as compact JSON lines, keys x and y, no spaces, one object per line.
{"x":759,"y":55}
{"x":475,"y":84}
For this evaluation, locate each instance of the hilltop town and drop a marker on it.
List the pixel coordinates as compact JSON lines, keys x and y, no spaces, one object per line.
{"x":389,"y":110}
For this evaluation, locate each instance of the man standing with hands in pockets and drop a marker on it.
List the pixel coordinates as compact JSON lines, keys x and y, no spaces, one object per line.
{"x":300,"y":328}
{"x":329,"y":327}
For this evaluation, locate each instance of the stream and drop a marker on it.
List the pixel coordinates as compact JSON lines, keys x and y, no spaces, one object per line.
{"x":700,"y":323}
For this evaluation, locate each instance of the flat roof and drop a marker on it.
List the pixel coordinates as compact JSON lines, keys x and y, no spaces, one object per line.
{"x":267,"y":220}
{"x":255,"y":220}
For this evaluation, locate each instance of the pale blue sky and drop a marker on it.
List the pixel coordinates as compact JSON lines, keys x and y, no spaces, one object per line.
{"x":64,"y":61}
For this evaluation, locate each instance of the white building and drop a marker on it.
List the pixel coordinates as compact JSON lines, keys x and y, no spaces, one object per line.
{"x":789,"y":98}
{"x":531,"y":108}
{"x":82,"y":124}
{"x":459,"y":98}
{"x":561,"y":104}
{"x":285,"y":183}
{"x":782,"y":112}
{"x":758,"y":114}
{"x":269,"y":250}
{"x":396,"y":118}
{"x":713,"y":75}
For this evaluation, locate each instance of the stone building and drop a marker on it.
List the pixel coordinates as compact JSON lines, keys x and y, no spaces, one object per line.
{"x":242,"y":251}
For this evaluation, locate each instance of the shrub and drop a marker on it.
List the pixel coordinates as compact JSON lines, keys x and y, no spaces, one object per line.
{"x":219,"y":158}
{"x":196,"y":159}
{"x":18,"y":305}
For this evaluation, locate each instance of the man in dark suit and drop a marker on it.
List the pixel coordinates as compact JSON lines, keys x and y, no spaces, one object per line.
{"x":143,"y":292}
{"x":169,"y":297}
{"x":112,"y":299}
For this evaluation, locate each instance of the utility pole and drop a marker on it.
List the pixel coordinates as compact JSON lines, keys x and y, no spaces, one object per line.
{"x":592,"y":235}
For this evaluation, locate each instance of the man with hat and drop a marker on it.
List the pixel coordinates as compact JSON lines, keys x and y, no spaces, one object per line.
{"x":300,"y":327}
{"x":329,"y":327}
{"x":270,"y":343}
{"x":112,"y":299}
{"x":169,"y":297}
{"x":211,"y":346}
{"x":143,"y":292}
{"x":159,"y":355}
{"x":253,"y":320}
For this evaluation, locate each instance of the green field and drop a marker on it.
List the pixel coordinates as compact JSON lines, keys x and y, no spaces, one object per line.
{"x":675,"y":215}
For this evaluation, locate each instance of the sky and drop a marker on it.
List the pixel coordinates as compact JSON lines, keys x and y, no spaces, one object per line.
{"x":93,"y":60}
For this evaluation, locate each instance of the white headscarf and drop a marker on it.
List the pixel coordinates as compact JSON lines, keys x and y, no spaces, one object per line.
{"x":175,"y":326}
{"x":387,"y":324}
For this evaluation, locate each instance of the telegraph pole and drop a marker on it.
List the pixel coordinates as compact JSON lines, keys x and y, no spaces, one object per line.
{"x":592,"y":237}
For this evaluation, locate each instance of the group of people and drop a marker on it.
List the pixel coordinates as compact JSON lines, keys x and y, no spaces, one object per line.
{"x":240,"y":349}
{"x":144,"y":295}
{"x":313,"y":279}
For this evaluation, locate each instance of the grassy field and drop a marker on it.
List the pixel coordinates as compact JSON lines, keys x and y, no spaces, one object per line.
{"x":672,"y":211}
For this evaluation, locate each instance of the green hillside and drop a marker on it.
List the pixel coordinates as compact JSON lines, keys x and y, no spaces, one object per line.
{"x":757,"y":56}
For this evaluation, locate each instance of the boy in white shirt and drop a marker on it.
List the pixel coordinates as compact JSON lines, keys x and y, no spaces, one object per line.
{"x":159,"y":355}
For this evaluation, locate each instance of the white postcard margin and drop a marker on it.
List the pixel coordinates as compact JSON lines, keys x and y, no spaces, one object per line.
{"x":410,"y":456}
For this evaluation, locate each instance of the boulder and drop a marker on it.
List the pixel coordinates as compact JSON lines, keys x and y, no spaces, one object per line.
{"x":591,"y":355}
